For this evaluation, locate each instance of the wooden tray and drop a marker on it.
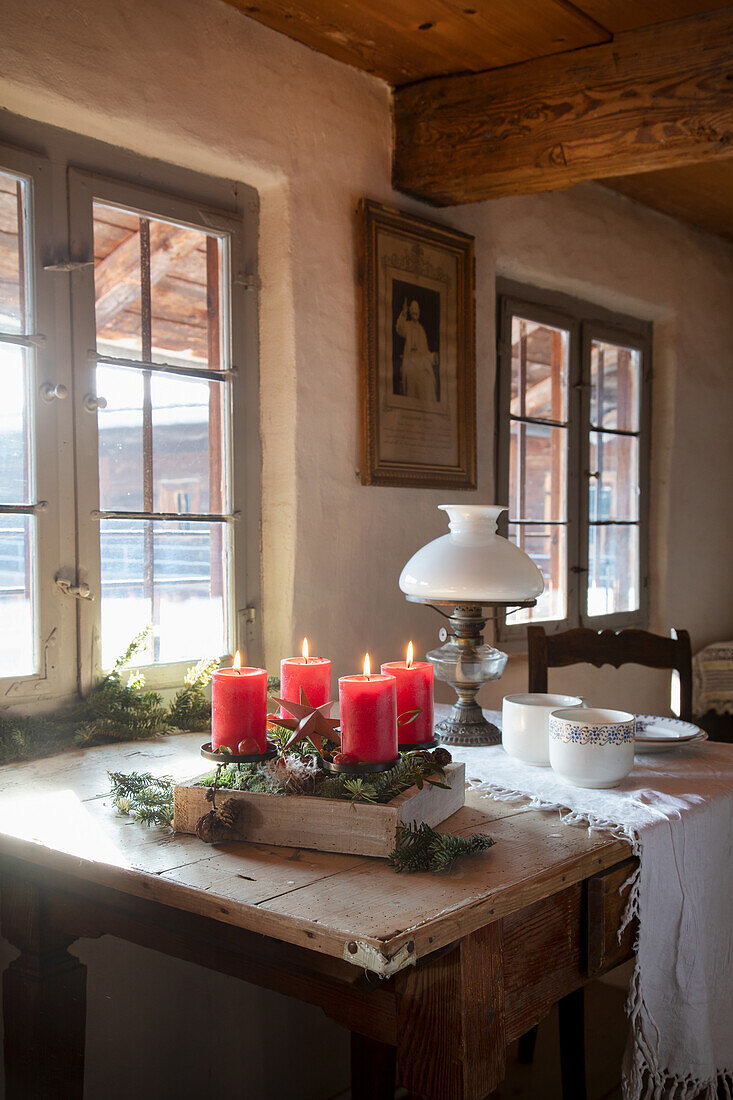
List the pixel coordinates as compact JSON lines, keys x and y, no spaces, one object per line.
{"x":327,"y":824}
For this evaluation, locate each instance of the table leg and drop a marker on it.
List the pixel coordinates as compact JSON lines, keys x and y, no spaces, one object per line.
{"x":571,"y":1011}
{"x":44,"y":1000}
{"x":451,"y":1042}
{"x":373,"y":1069}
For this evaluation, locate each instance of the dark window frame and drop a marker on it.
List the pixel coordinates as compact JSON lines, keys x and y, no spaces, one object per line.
{"x":584,"y":322}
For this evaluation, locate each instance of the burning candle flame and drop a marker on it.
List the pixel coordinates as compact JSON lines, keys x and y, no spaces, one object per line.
{"x":304,"y":649}
{"x":410,"y":654}
{"x":237,"y":662}
{"x":367,"y":665}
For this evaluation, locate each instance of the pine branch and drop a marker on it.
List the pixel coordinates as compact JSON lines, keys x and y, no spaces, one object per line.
{"x":144,"y":796}
{"x":422,"y":848}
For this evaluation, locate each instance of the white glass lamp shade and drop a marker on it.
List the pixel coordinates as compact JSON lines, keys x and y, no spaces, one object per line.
{"x":473,"y":564}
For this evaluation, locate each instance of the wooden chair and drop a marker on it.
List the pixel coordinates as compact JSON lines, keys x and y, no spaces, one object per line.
{"x":609,"y":647}
{"x":597,"y":647}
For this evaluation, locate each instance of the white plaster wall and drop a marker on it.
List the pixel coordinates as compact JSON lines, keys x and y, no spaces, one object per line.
{"x":197,"y":84}
{"x":607,"y":249}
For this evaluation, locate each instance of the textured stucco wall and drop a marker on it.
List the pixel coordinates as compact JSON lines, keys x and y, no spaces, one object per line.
{"x":195,"y":83}
{"x":604,"y":248}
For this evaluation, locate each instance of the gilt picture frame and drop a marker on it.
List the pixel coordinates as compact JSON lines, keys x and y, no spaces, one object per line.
{"x":417,"y":359}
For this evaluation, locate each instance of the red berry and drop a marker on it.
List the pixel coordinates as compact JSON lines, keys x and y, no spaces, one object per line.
{"x":248,"y":747}
{"x":344,"y":758}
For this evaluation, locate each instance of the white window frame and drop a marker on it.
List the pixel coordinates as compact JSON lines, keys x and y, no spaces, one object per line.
{"x":68,"y":630}
{"x":51,"y":436}
{"x":584,"y":323}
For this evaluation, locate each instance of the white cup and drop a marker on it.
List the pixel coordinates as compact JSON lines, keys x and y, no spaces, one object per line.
{"x":592,"y":747}
{"x":524,"y":725}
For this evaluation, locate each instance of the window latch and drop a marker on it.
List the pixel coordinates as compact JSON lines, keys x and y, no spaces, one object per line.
{"x":68,"y":265}
{"x":78,"y":591}
{"x":578,"y":569}
{"x":50,"y":393}
{"x":91,"y":403}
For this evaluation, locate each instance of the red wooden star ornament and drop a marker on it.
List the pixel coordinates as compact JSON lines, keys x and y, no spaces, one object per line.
{"x":308,"y":722}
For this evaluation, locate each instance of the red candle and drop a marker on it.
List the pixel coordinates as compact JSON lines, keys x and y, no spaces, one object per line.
{"x":414,"y":690}
{"x":312,"y":674}
{"x":239,"y":707}
{"x":368,"y":706}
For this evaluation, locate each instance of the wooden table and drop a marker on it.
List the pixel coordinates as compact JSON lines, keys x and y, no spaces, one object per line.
{"x":437,"y":972}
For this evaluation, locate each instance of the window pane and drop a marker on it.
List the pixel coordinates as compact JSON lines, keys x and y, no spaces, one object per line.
{"x":170,"y":575}
{"x":120,"y":438}
{"x":613,"y":484}
{"x":547,"y":546}
{"x":15,"y":439}
{"x":187,"y":445}
{"x":182,"y":326}
{"x":537,"y":461}
{"x":157,"y":289}
{"x":614,"y":395}
{"x":117,"y":281}
{"x":17,"y":631}
{"x":539,"y":385}
{"x":13,"y":254}
{"x":613,"y":569}
{"x":185,"y":422}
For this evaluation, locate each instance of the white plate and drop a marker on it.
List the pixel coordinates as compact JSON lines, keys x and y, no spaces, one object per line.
{"x":652,"y":727}
{"x":646,"y":747}
{"x":659,"y":734}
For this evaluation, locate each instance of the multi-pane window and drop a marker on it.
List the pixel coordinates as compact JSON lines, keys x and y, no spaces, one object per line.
{"x":18,"y":506}
{"x":573,"y":455}
{"x":162,"y":444}
{"x":614,"y":478}
{"x":538,"y":456}
{"x":123,"y":331}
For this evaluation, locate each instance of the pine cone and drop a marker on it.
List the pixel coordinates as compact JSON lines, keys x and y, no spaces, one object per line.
{"x":441,"y":757}
{"x":207,"y":827}
{"x":228,"y":814}
{"x":217,"y":824}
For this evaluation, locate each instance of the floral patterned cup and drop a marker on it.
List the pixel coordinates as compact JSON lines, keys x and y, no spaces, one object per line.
{"x":593,"y":747}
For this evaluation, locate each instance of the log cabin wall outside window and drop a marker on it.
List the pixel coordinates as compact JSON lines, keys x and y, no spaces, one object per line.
{"x":127,"y":498}
{"x":573,"y":402}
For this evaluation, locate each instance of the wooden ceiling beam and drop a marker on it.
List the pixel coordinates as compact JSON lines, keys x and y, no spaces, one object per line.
{"x":117,"y":276}
{"x":654,"y":98}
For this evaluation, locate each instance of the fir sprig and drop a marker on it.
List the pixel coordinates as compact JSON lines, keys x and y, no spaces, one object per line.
{"x":360,"y":790}
{"x":414,"y":769}
{"x":422,"y":848}
{"x":146,"y":797}
{"x":115,"y":711}
{"x":191,"y":710}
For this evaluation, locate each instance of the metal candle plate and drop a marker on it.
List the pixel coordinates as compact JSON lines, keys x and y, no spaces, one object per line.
{"x":357,"y":769}
{"x":232,"y":758}
{"x":419,"y":746}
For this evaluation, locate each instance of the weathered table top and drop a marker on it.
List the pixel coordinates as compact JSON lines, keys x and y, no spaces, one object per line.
{"x":57,"y":813}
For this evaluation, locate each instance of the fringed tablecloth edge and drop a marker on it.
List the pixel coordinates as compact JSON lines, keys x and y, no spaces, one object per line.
{"x":643,"y":1079}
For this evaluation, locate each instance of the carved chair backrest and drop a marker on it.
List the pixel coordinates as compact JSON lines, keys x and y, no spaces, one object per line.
{"x":609,"y":647}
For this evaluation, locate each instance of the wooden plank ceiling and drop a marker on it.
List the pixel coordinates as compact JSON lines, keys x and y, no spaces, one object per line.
{"x":543,"y":93}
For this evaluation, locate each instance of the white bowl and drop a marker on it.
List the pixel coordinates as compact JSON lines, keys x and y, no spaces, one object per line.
{"x":592,"y":747}
{"x":525,"y":725}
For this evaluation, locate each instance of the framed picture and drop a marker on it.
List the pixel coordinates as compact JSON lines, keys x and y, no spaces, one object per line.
{"x":418,"y":375}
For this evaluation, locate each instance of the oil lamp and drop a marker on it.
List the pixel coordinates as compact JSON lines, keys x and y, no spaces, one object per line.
{"x":459,"y":575}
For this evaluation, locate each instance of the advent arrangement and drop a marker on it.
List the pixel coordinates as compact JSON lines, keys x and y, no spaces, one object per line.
{"x":374,"y":781}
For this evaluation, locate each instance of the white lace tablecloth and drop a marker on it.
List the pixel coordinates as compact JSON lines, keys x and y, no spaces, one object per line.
{"x":676,"y":809}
